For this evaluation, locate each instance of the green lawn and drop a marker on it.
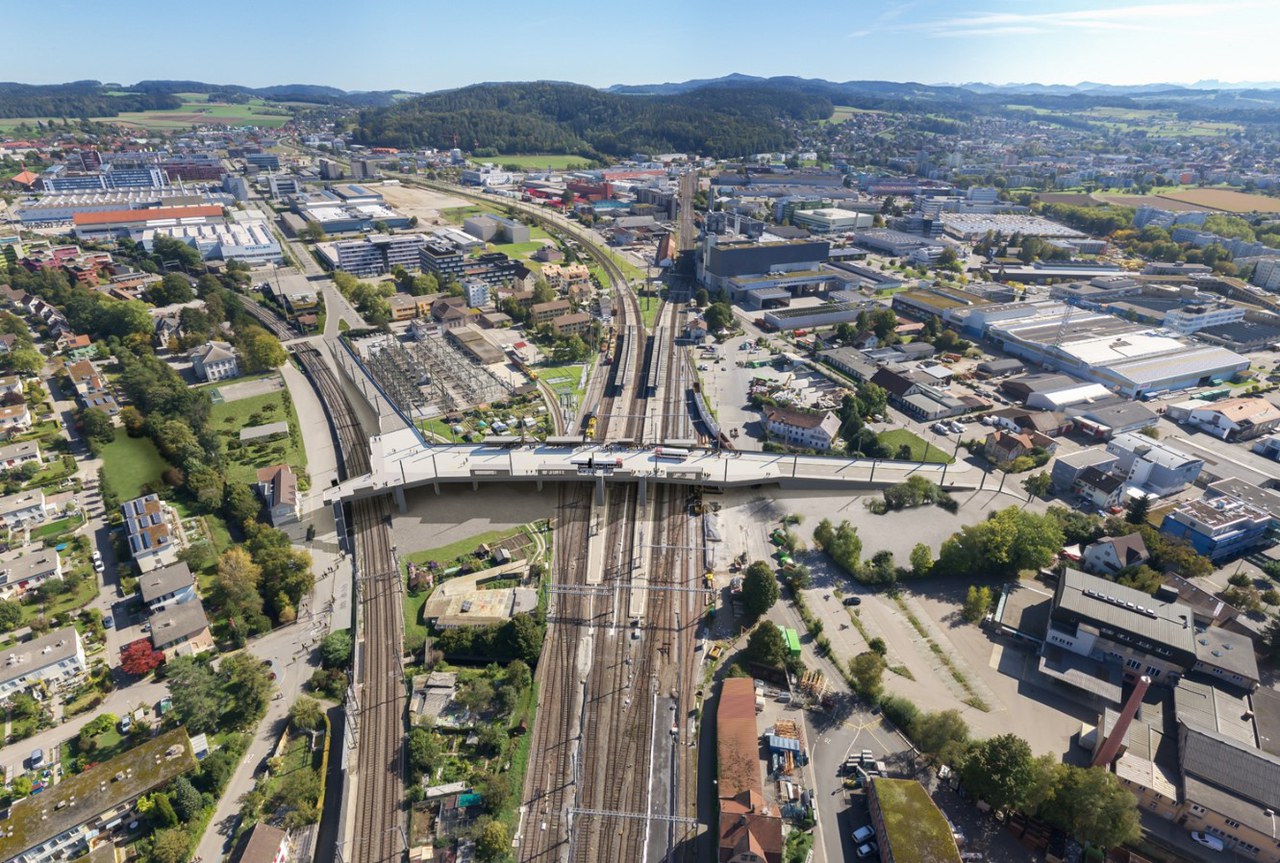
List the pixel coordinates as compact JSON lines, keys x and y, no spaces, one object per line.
{"x":650,"y":307}
{"x":130,"y":463}
{"x":555,"y":161}
{"x":196,"y":111}
{"x":897,"y":437}
{"x":457,"y":215}
{"x":84,"y":593}
{"x":568,"y":378}
{"x":55,"y":528}
{"x":516,"y":250}
{"x":228,"y":418}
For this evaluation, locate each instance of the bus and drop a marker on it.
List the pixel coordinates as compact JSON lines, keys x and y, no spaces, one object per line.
{"x":670,"y":453}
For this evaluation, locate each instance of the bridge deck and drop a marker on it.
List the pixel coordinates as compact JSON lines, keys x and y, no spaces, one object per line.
{"x":399,"y":460}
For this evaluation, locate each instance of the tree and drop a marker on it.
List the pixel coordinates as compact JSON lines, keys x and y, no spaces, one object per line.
{"x":867,"y":668}
{"x":1037,"y":485}
{"x":977,"y":603}
{"x":25,"y":361}
{"x":97,"y":425}
{"x":196,"y":693}
{"x":262,"y":351}
{"x":240,"y":504}
{"x":162,"y":814}
{"x":943,"y":734}
{"x":759,"y":590}
{"x":999,"y":770}
{"x":187,"y":802}
{"x":702,"y":298}
{"x":236,"y":585}
{"x":1009,"y":540}
{"x":246,"y":689}
{"x":10,"y":615}
{"x":314,"y":232}
{"x":173,"y":288}
{"x":424,"y":750}
{"x":170,"y":846}
{"x":140,"y":658}
{"x":1269,"y":644}
{"x":766,"y":647}
{"x":842,"y":543}
{"x":305,"y":714}
{"x":492,"y":841}
{"x":921,"y":559}
{"x":719,"y":316}
{"x":336,"y":649}
{"x":1137,"y":509}
{"x":1093,"y":805}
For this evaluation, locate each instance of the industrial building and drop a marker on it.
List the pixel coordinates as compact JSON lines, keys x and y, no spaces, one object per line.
{"x":831,"y":220}
{"x":723,"y":260}
{"x":747,"y":825}
{"x":1102,"y":635}
{"x":380,"y":253}
{"x":249,"y":241}
{"x":1094,"y":346}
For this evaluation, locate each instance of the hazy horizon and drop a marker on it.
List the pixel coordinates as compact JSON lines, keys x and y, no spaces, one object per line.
{"x":392,"y":44}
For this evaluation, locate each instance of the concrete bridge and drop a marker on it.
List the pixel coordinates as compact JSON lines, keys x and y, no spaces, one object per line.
{"x":401,"y":461}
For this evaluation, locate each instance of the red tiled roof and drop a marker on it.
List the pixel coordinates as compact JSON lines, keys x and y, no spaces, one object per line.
{"x":26,"y":178}
{"x":155,"y":213}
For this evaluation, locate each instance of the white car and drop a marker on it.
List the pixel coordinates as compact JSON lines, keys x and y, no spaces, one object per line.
{"x":1208,"y":840}
{"x":97,"y":555}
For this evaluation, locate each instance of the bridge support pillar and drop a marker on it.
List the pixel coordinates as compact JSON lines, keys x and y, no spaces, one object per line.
{"x":436,"y":486}
{"x":600,"y":490}
{"x":475,"y":484}
{"x":644,"y":490}
{"x":539,"y":483}
{"x":398,"y":495}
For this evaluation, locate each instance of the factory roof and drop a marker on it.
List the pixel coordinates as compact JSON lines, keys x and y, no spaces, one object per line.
{"x":739,"y":752}
{"x":154,"y":214}
{"x":1114,"y":605}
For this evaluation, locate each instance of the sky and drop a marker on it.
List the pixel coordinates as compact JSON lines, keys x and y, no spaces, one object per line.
{"x":430,"y":45}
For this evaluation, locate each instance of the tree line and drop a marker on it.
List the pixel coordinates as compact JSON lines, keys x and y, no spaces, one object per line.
{"x":548,"y":117}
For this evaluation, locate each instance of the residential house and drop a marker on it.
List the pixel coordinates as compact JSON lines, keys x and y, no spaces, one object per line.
{"x":696,"y":331}
{"x":1112,"y":554}
{"x":215,"y":361}
{"x":1003,"y":448}
{"x":8,"y":343}
{"x":76,"y":347}
{"x":804,"y":429}
{"x":15,"y":419}
{"x":22,"y":508}
{"x":150,"y":527}
{"x":406,"y":307}
{"x":1099,"y":489}
{"x":165,"y":586}
{"x":181,"y":629}
{"x":278,"y":486}
{"x":25,"y":571}
{"x":542,"y":313}
{"x":263,"y":844}
{"x":17,"y":454}
{"x":11,"y":384}
{"x":61,"y":821}
{"x":91,"y":390}
{"x":1068,"y":467}
{"x":575,"y":324}
{"x":56,"y":659}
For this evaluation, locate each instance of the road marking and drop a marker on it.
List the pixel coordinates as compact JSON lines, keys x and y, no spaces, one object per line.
{"x":997,"y":653}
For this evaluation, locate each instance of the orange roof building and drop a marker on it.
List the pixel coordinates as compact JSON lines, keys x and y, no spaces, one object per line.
{"x":154,"y":214}
{"x":748,"y":829}
{"x":26,"y":179}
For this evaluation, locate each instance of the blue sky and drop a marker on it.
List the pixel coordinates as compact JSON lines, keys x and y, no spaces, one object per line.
{"x":427,"y":45}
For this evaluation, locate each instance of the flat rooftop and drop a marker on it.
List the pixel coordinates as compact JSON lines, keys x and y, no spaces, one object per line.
{"x":916,"y":829}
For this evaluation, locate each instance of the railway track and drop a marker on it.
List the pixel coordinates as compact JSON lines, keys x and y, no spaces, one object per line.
{"x":275,"y":324}
{"x":380,"y":695}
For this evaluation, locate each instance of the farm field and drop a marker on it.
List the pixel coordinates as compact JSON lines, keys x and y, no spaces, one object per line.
{"x":1160,"y":201}
{"x":842,"y":113}
{"x":555,"y":161}
{"x":196,"y":110}
{"x":1226,"y":200}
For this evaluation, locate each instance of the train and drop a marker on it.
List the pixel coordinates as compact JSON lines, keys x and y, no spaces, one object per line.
{"x":589,"y":425}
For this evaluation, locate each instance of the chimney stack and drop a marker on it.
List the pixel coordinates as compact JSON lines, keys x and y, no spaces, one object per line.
{"x":1111,"y":745}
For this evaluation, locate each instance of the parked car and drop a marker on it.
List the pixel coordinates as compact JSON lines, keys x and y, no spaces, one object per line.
{"x":853,"y":600}
{"x":1208,"y":840}
{"x":108,"y":621}
{"x":868,"y":849}
{"x":126,"y":723}
{"x":862,"y":834}
{"x":37,"y":758}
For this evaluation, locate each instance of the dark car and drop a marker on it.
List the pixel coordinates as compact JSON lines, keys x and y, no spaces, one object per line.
{"x":853,"y":600}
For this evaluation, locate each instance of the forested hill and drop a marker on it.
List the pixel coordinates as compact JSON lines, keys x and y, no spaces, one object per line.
{"x":77,"y":99}
{"x":549,"y":117}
